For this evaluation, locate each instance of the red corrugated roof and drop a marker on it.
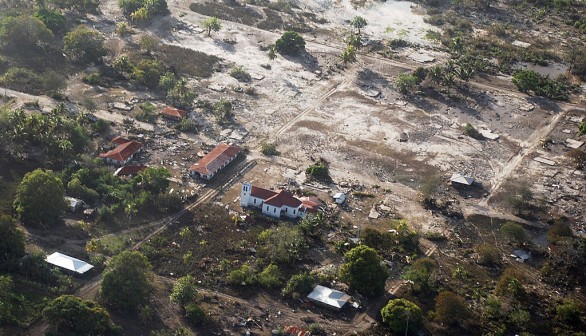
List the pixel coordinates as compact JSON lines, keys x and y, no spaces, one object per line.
{"x":120,"y":140}
{"x":261,"y":193}
{"x":283,"y":198}
{"x":311,"y":203}
{"x":174,"y":112}
{"x":123,"y":151}
{"x":130,"y":170}
{"x":295,"y":331}
{"x":215,"y":159}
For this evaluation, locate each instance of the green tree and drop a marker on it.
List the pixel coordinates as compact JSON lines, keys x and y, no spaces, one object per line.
{"x":40,"y":198}
{"x":290,"y":43}
{"x":127,"y":281}
{"x":363,"y":270}
{"x":270,"y":277}
{"x":71,"y":315}
{"x":405,"y":83}
{"x":53,"y":82}
{"x":212,"y":24}
{"x":319,"y":171}
{"x":34,"y":267}
{"x":184,"y":290}
{"x":243,"y":276}
{"x":84,"y":45}
{"x":358,"y":22}
{"x":148,"y":72}
{"x":148,"y":43}
{"x":514,"y":231}
{"x":510,"y":284}
{"x":167,"y":81}
{"x":223,"y":110}
{"x":402,"y":316}
{"x":450,"y":308}
{"x":526,"y":80}
{"x":354,"y":40}
{"x":488,"y":254}
{"x":7,"y":307}
{"x":24,"y":34}
{"x":11,"y":243}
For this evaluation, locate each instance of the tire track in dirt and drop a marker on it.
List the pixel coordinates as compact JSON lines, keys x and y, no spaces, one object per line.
{"x":527,"y":147}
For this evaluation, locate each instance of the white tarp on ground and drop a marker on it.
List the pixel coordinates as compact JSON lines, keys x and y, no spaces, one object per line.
{"x":328,"y":297}
{"x":461,"y":179}
{"x":69,"y":263}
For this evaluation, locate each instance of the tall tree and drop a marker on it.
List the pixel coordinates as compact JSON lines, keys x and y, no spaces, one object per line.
{"x":11,"y":243}
{"x":24,"y":34}
{"x":155,"y":180}
{"x":363,"y":271}
{"x":40,"y":198}
{"x":127,"y":281}
{"x":290,"y":43}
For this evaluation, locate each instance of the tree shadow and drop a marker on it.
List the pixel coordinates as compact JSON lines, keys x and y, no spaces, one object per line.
{"x":545,"y":103}
{"x":306,"y":60}
{"x":226,"y":45}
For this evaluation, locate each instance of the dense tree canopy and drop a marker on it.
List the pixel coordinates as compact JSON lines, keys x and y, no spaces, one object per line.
{"x":127,"y":281}
{"x":402,"y":315}
{"x":290,"y":43}
{"x":11,"y":243}
{"x":84,"y":45}
{"x":39,"y":198}
{"x":24,"y":34}
{"x":363,"y":271}
{"x":70,"y":315}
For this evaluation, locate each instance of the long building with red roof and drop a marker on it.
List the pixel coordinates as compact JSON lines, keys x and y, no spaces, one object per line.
{"x":218,"y":158}
{"x":123,"y":153}
{"x":276,"y":203}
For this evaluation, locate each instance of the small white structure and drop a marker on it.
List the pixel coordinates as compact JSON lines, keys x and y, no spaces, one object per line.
{"x":329,"y":298}
{"x":339,"y":197}
{"x":462,"y":179}
{"x":73,"y":203}
{"x":521,"y":256}
{"x":69,"y":263}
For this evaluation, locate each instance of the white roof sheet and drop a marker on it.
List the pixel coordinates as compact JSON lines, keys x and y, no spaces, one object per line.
{"x":328,"y":296}
{"x":69,"y":263}
{"x":459,"y":178}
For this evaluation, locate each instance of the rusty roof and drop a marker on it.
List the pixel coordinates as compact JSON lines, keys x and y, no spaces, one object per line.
{"x":215,"y":159}
{"x":123,"y":151}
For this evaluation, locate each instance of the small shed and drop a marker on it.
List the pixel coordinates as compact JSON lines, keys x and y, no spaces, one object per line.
{"x":460,"y":179}
{"x":73,"y":203}
{"x":69,"y":263}
{"x":340,"y":198}
{"x":329,"y":298}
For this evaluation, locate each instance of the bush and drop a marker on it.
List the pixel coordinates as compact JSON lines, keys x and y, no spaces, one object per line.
{"x":488,"y":255}
{"x":568,"y":312}
{"x":22,"y":79}
{"x":470,"y":131}
{"x":405,"y":83}
{"x":270,"y":277}
{"x":187,"y":125}
{"x":451,"y":308}
{"x":269,"y":149}
{"x":510,"y":284}
{"x":243,"y":276}
{"x":319,"y":171}
{"x":299,"y":284}
{"x":559,"y":231}
{"x":194,"y":314}
{"x":290,"y":43}
{"x":240,"y":74}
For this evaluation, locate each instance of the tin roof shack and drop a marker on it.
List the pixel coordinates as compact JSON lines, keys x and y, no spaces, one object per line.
{"x":521,"y":255}
{"x":339,"y":198}
{"x":329,"y":298}
{"x":69,"y":263}
{"x":461,"y":180}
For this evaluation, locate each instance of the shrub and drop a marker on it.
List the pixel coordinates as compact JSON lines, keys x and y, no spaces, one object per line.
{"x":240,"y":74}
{"x":559,"y":231}
{"x":470,"y":131}
{"x":243,"y":276}
{"x":123,"y":28}
{"x":194,"y":314}
{"x":568,"y":312}
{"x":319,"y":171}
{"x":451,"y":308}
{"x":488,"y":254}
{"x":510,"y":284}
{"x":93,"y":78}
{"x":187,"y":125}
{"x":269,"y":149}
{"x":299,"y":284}
{"x":405,"y":83}
{"x":270,"y":277}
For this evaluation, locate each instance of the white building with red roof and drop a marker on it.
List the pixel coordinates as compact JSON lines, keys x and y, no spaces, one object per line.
{"x":123,"y":153}
{"x":209,"y":165}
{"x":275,"y":203}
